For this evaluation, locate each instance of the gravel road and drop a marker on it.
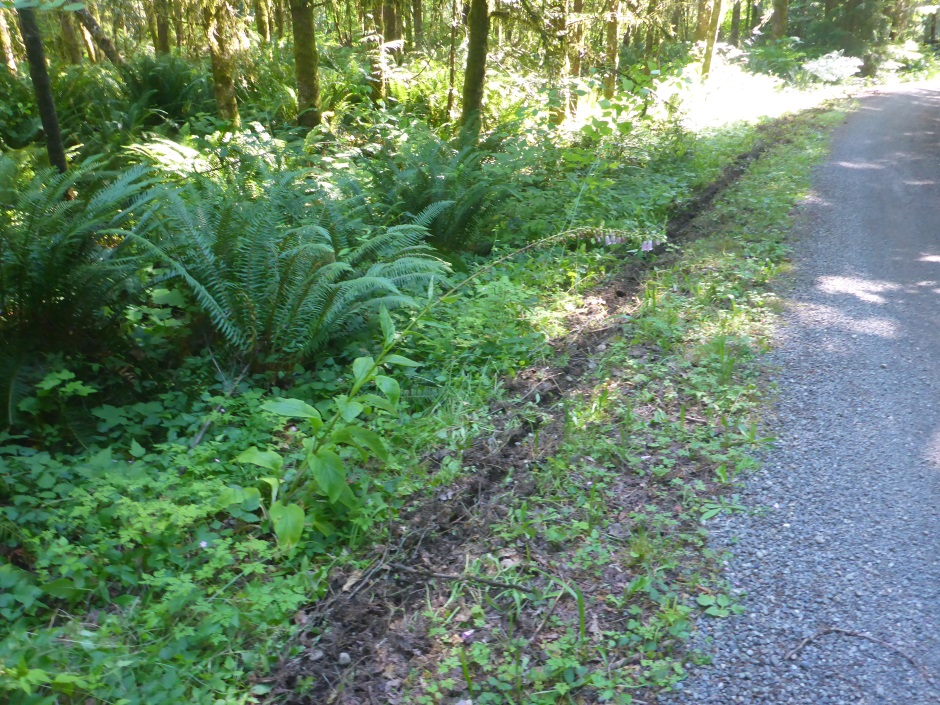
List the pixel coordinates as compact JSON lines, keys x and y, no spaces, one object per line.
{"x":848,"y":529}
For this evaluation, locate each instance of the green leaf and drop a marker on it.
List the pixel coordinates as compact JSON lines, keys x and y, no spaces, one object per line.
{"x":705,"y":600}
{"x":401,"y":361}
{"x":388,"y":326}
{"x":288,"y":523}
{"x":378,"y":402}
{"x":328,"y":472}
{"x":275,"y":486}
{"x":248,"y":497}
{"x":137,"y":450}
{"x":168,"y":297}
{"x":389,"y":387}
{"x":362,"y":368}
{"x":62,"y":588}
{"x":349,"y":410}
{"x":294,"y":408}
{"x":267,"y":459}
{"x":365,"y":438}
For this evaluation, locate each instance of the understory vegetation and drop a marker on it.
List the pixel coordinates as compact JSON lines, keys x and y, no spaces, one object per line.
{"x":374,"y":396}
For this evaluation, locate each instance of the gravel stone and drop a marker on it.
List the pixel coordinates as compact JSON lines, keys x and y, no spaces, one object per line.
{"x":850,"y":491}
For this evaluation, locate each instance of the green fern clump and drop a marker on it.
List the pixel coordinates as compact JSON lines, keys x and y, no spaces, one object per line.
{"x":63,"y":259}
{"x":275,"y":284}
{"x":407,"y":182}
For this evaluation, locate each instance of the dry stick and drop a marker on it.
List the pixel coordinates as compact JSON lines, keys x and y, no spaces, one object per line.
{"x":460,"y":578}
{"x":848,"y":632}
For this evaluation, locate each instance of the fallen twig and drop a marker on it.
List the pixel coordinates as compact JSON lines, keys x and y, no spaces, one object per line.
{"x":459,"y":578}
{"x":875,"y":640}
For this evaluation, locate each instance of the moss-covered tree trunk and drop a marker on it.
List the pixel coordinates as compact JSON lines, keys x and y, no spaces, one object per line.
{"x":375,"y":43}
{"x":613,"y":50}
{"x":559,"y":60}
{"x":713,"y":26}
{"x":219,"y":21}
{"x":277,"y":15}
{"x":101,"y":39}
{"x":478,"y":30}
{"x":262,"y":21}
{"x":71,"y":44}
{"x":417,"y":22}
{"x":306,"y":63}
{"x":6,"y":44}
{"x":576,"y":50}
{"x":452,"y":62}
{"x":161,"y":18}
{"x":778,"y":20}
{"x":36,"y":58}
{"x":703,"y":16}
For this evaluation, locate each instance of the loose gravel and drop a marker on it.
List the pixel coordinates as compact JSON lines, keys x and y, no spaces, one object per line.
{"x":845,"y":527}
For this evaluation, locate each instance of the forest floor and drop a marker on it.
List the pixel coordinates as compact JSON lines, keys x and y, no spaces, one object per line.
{"x":840,"y":566}
{"x":573,"y":564}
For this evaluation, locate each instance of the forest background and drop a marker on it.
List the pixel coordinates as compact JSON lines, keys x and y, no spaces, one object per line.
{"x":273,"y":273}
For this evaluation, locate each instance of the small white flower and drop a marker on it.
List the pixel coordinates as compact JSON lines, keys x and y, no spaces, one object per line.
{"x":203,"y":544}
{"x":647,"y":246}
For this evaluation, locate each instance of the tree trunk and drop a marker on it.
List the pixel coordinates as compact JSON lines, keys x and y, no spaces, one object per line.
{"x":778,"y":20}
{"x":219,"y":20}
{"x":452,"y":62}
{"x":391,"y":27}
{"x":71,"y":45}
{"x":478,"y":28}
{"x":378,"y":85}
{"x":262,"y":23}
{"x":576,"y":49}
{"x":36,"y":58}
{"x":161,"y":17}
{"x":559,"y":60}
{"x":278,"y":17}
{"x":704,"y":17}
{"x":613,"y":50}
{"x":178,"y":25}
{"x":6,"y":44}
{"x":417,"y":22}
{"x":735,"y":38}
{"x":306,"y":63}
{"x":101,"y":39}
{"x":713,"y":26}
{"x":89,"y":43}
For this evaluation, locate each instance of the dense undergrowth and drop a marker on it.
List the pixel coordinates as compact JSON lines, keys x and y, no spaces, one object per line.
{"x":230,"y":358}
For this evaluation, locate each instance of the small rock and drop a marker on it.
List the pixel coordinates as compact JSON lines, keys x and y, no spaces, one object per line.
{"x":344,"y":659}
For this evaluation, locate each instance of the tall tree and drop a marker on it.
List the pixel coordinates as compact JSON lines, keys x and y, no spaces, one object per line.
{"x":735,"y":38}
{"x":375,"y":42}
{"x":6,"y":44}
{"x":613,"y":49}
{"x":778,"y":20}
{"x":452,"y":62}
{"x":576,"y":50}
{"x":262,"y":21}
{"x":478,"y":30}
{"x":162,"y":16}
{"x":219,"y":18}
{"x":558,"y":59}
{"x":703,"y":18}
{"x":71,"y":44}
{"x":101,"y":39}
{"x":36,"y":58}
{"x":306,"y":63}
{"x":417,"y":22}
{"x":713,"y":26}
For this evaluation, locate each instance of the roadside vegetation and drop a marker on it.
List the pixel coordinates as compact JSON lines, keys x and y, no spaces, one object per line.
{"x":382,"y":395}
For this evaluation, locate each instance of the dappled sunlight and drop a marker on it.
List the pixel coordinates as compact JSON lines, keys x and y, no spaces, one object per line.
{"x":863,"y":289}
{"x":822,"y":316}
{"x":929,"y":258}
{"x":733,"y":94}
{"x":859,"y":165}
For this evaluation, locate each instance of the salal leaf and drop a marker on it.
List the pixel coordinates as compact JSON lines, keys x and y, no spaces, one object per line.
{"x":329,"y":474}
{"x":267,"y":459}
{"x":288,"y":522}
{"x":374,"y":400}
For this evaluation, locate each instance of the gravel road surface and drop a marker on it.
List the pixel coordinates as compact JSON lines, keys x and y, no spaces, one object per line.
{"x":849,"y":531}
